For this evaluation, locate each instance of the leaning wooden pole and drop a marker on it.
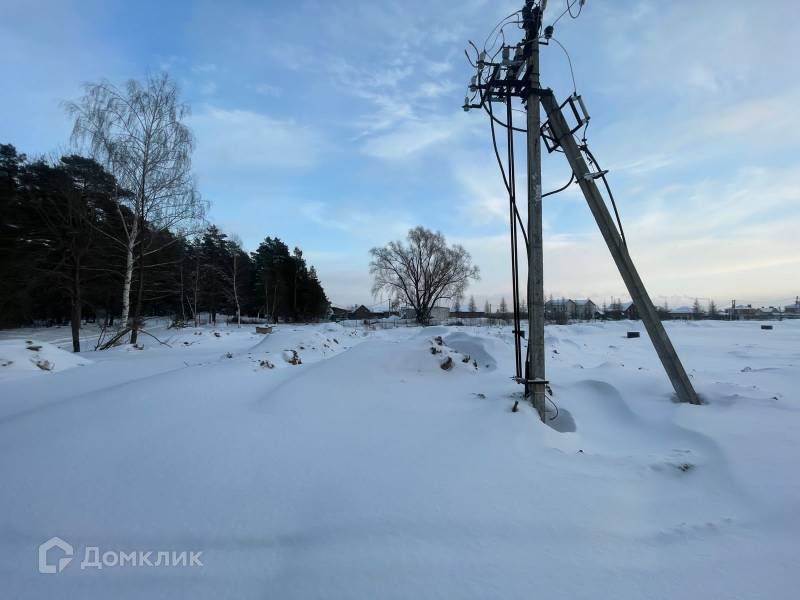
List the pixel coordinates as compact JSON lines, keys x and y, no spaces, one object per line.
{"x":619,"y":251}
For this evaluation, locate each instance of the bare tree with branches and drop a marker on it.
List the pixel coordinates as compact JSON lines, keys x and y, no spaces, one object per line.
{"x":139,"y":134}
{"x":231,"y":274}
{"x":423,"y":271}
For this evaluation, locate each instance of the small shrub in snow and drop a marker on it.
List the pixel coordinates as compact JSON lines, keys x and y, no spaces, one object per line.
{"x":465,"y":359}
{"x":45,"y":365}
{"x":292,"y":357}
{"x":438,"y":339}
{"x":265,"y":364}
{"x":435,"y":350}
{"x":447,"y":364}
{"x":34,"y":348}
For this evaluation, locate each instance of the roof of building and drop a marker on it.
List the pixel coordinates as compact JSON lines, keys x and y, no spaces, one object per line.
{"x":560,"y":301}
{"x":681,"y":310}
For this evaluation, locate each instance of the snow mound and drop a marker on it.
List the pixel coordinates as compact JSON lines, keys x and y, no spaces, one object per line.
{"x":20,"y":357}
{"x":291,"y":345}
{"x":473,"y":346}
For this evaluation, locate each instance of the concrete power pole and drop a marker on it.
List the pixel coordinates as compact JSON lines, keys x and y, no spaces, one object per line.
{"x":535,"y":371}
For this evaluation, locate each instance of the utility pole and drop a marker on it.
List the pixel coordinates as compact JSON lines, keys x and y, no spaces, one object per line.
{"x":619,"y":251}
{"x":534,"y":368}
{"x":518,"y":76}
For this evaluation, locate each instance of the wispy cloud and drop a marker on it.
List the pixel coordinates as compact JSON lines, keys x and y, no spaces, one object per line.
{"x":413,"y":136}
{"x":310,"y":115}
{"x":235,"y":139}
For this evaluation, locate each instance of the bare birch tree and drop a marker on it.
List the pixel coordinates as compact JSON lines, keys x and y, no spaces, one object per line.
{"x":231,"y":274}
{"x":139,"y":134}
{"x":423,"y":272}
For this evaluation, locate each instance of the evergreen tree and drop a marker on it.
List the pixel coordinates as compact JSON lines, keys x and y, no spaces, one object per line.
{"x":697,"y":310}
{"x":64,"y":251}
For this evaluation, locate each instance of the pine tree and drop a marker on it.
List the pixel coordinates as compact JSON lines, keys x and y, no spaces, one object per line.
{"x":697,"y":310}
{"x":472,"y":307}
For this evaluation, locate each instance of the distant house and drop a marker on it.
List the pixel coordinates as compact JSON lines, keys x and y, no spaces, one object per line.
{"x":560,"y":310}
{"x":466,"y":314}
{"x":741,"y":312}
{"x":585,"y":309}
{"x":629,"y":311}
{"x":682,"y":313}
{"x":408,"y":313}
{"x":361,"y":312}
{"x":336,"y":313}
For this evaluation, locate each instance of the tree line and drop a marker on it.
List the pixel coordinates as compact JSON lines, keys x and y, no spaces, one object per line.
{"x":119,"y":231}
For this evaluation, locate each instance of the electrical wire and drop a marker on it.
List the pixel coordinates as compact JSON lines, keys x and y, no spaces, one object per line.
{"x":499,"y":23}
{"x":512,"y":198}
{"x":469,"y":60}
{"x":503,"y":173}
{"x":585,"y":148}
{"x":562,"y":188}
{"x":569,"y":60}
{"x":580,"y":8}
{"x":502,"y":124}
{"x":568,"y":10}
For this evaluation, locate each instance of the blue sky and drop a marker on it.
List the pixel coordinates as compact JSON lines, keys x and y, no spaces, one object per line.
{"x":337,"y":126}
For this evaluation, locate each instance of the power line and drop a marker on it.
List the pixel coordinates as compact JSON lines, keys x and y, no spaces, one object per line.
{"x":588,"y":152}
{"x":500,"y":22}
{"x":569,"y":60}
{"x":569,"y":10}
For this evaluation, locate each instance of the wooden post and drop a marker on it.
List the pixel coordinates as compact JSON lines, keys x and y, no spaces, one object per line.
{"x":619,"y":251}
{"x":535,"y":367}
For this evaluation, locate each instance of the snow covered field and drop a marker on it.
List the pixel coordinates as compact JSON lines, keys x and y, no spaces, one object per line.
{"x":368,"y":471}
